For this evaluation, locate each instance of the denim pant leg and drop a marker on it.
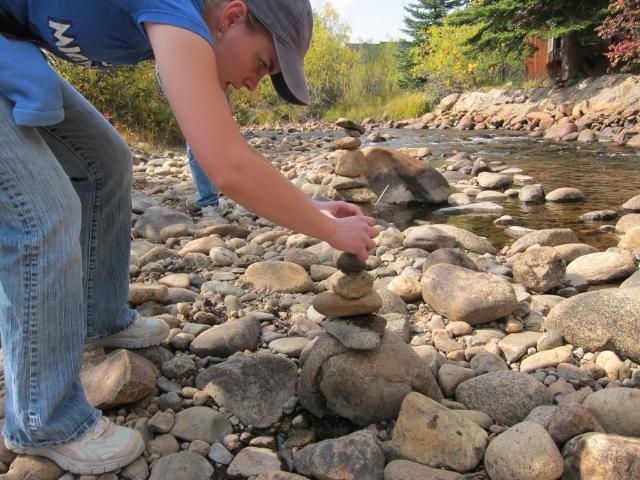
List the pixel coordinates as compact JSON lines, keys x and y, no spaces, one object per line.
{"x":98,"y":162}
{"x":42,"y":311}
{"x":207,"y":191}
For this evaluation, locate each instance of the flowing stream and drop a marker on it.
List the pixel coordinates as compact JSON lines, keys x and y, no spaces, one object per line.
{"x":608,"y":174}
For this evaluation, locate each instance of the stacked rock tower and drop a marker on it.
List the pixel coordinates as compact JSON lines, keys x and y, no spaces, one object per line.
{"x":350,"y":305}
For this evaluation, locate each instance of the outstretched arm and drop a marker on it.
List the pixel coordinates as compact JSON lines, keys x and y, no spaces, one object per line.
{"x":187,"y":67}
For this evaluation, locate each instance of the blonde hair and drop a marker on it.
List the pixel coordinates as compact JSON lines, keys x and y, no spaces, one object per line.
{"x":252,"y":20}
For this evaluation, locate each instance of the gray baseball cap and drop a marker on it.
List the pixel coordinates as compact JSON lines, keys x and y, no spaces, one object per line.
{"x":291,"y":24}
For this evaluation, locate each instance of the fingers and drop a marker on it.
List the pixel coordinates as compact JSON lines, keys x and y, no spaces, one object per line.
{"x":362,"y":254}
{"x":355,"y":210}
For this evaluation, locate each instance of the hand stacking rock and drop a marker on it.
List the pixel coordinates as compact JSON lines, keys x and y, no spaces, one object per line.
{"x":349,"y":303}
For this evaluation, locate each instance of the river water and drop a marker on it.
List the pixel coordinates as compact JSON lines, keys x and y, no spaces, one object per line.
{"x":608,"y":174}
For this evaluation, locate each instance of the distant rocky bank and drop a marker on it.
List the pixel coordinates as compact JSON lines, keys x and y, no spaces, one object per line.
{"x":605,"y":109}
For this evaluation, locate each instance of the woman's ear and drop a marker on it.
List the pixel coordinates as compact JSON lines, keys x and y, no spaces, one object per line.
{"x":234,"y":13}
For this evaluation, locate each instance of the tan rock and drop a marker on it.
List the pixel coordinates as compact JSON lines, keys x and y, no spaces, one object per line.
{"x":116,"y":379}
{"x":141,"y":293}
{"x":283,"y":277}
{"x":347,"y":143}
{"x":176,"y":280}
{"x":526,"y":452}
{"x":627,"y":222}
{"x":202,"y":245}
{"x":597,"y":456}
{"x":406,"y":470}
{"x":428,"y":433}
{"x":350,"y":163}
{"x":358,"y":195}
{"x":548,"y":358}
{"x":631,"y":239}
{"x":407,"y":286}
{"x":332,"y":305}
{"x":350,"y":286}
{"x":540,"y":269}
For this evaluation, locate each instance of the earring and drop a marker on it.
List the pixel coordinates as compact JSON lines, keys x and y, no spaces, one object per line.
{"x":220,"y":35}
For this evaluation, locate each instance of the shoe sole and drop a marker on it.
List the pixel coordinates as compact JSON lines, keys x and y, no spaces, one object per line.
{"x":142,"y":343}
{"x":80,"y":468}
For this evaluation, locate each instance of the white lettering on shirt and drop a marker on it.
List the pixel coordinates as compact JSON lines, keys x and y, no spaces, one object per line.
{"x":64,"y":45}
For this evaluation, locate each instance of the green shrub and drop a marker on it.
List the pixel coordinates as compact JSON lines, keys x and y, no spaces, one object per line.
{"x":129,"y":97}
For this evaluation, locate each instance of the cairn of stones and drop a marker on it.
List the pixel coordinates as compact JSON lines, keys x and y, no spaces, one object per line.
{"x":350,"y":305}
{"x":350,"y":182}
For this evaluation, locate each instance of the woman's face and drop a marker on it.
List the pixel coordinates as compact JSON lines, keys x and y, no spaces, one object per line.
{"x":243,"y":55}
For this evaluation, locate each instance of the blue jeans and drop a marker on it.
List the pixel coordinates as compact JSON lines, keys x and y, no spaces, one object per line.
{"x":65,"y":212}
{"x":207,"y":191}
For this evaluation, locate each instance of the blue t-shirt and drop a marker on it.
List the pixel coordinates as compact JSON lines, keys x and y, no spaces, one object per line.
{"x":90,"y":33}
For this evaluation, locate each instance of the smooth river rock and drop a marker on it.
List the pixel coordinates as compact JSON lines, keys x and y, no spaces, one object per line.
{"x":616,"y":409}
{"x":463,"y":295}
{"x":602,"y":267}
{"x":228,"y":338}
{"x":546,"y":238}
{"x":333,"y":305}
{"x":605,"y":319}
{"x":429,"y":433}
{"x":281,"y":277}
{"x":507,"y":397}
{"x":597,"y":456}
{"x":524,"y":452}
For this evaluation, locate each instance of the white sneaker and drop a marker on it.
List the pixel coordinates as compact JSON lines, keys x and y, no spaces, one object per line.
{"x":221,"y":209}
{"x":142,"y":333}
{"x":105,"y":448}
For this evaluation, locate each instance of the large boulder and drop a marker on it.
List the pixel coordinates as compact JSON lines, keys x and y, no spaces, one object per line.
{"x":605,"y":319}
{"x":507,"y":397}
{"x":254,"y":387}
{"x":463,"y":295}
{"x":363,"y":386}
{"x":352,"y":457}
{"x":594,"y":456}
{"x":410,"y":180}
{"x":429,"y":433}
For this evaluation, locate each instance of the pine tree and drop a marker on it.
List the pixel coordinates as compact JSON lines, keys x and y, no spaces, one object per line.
{"x":421,"y":15}
{"x":509,"y":25}
{"x":425,"y":13}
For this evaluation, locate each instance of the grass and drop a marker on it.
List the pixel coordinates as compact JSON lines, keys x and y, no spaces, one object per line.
{"x":398,"y":106}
